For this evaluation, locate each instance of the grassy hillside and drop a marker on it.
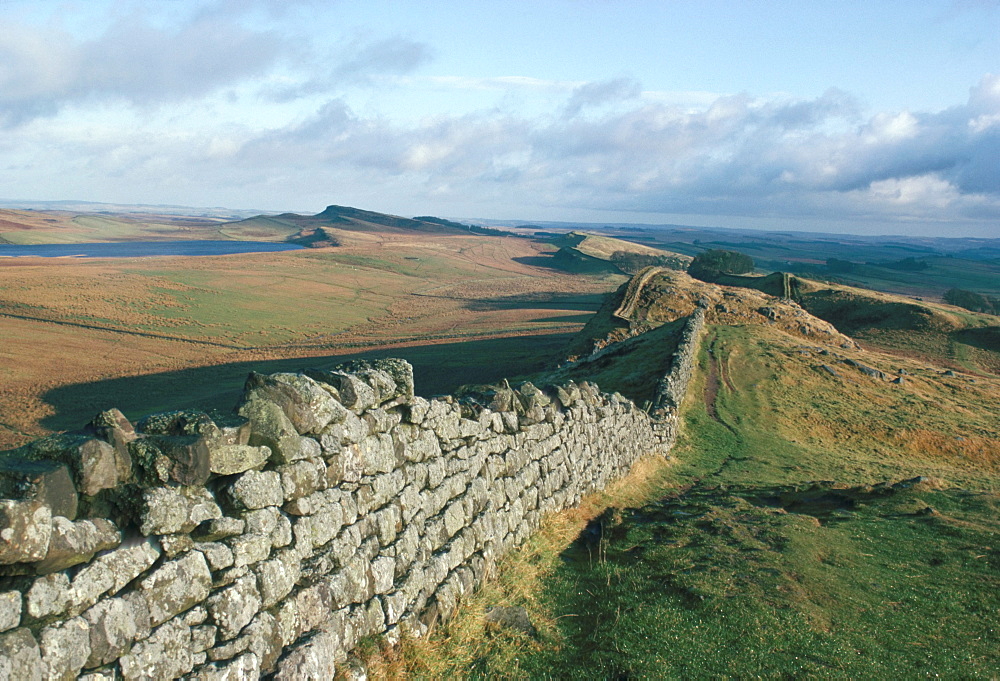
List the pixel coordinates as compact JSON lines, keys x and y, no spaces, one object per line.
{"x":60,"y":227}
{"x":86,"y":322}
{"x":912,"y":266}
{"x":816,"y":521}
{"x":44,"y":227}
{"x":963,"y":340}
{"x":582,"y":252}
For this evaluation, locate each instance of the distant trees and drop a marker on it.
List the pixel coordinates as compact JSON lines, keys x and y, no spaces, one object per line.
{"x":630,"y":263}
{"x":973,"y":301}
{"x":905,"y":265}
{"x":838,"y":266}
{"x":710,"y":264}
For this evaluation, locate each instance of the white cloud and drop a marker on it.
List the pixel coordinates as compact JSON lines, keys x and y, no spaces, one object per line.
{"x":740,"y":156}
{"x":212,"y":105}
{"x":132,"y":60}
{"x":603,"y":92}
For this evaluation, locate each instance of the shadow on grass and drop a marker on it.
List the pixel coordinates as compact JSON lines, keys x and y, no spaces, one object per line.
{"x":986,"y":338}
{"x":770,"y":559}
{"x":540,"y":301}
{"x":437,"y":368}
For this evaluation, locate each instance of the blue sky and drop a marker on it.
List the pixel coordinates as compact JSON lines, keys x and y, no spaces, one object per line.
{"x":863,"y":117}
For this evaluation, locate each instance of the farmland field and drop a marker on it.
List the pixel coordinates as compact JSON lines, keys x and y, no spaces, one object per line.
{"x":71,"y":327}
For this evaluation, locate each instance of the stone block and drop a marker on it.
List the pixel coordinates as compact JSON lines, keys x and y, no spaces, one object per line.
{"x":218,"y":528}
{"x":233,"y":459}
{"x":166,"y":654}
{"x":345,"y":466}
{"x":112,"y":630}
{"x":203,"y":637}
{"x":249,"y":549}
{"x":176,"y":586}
{"x":232,"y":608}
{"x":246,"y":667}
{"x":351,"y":430}
{"x":271,"y":428}
{"x":256,"y":489}
{"x":277,"y":577}
{"x":140,"y":614}
{"x":90,"y":583}
{"x":95,"y":464}
{"x":302,"y":478}
{"x":391,"y":378}
{"x":49,"y":595}
{"x":173,"y":510}
{"x":65,"y":648}
{"x":126,"y":563}
{"x":181,"y":422}
{"x":176,"y":544}
{"x":187,"y":457}
{"x":72,"y":543}
{"x":10,"y":609}
{"x":261,"y":521}
{"x":48,"y":482}
{"x":312,"y":659}
{"x":351,"y":390}
{"x":382,"y":574}
{"x":307,"y":405}
{"x":265,"y":639}
{"x":218,"y":555}
{"x":110,"y":421}
{"x":20,"y":657}
{"x":25,"y":530}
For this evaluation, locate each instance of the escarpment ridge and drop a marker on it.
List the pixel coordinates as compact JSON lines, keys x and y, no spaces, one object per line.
{"x":335,"y":506}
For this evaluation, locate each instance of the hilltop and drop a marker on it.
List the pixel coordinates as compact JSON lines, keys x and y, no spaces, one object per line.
{"x":584,"y":252}
{"x":327,"y":228}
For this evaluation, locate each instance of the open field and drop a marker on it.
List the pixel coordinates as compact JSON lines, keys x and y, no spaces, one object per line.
{"x":788,"y":538}
{"x":73,"y":322}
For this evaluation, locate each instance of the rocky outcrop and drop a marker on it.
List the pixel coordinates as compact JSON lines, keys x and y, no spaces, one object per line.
{"x":337,"y":506}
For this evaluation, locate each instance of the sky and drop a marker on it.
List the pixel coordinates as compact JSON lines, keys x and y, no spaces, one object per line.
{"x":873,"y":117}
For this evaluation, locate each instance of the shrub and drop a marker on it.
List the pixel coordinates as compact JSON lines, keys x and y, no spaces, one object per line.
{"x":970,"y":300}
{"x":712,"y":263}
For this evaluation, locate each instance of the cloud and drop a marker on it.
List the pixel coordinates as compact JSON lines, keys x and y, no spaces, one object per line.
{"x":361,"y":62}
{"x":389,"y":56}
{"x":133,"y":61}
{"x":143,"y":60}
{"x":603,"y":92}
{"x":604,"y":146}
{"x":740,"y":156}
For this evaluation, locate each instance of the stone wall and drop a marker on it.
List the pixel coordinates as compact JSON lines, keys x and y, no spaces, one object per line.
{"x":337,"y":506}
{"x":672,"y":388}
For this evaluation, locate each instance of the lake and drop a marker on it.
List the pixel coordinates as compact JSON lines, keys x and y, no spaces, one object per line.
{"x":142,"y":249}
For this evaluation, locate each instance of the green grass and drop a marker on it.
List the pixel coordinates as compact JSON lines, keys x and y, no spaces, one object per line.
{"x":736,"y":563}
{"x":632,"y":368}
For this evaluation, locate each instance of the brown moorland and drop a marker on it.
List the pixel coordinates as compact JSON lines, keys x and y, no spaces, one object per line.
{"x":83,"y":322}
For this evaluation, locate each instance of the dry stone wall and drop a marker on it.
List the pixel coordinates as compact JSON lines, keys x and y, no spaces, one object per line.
{"x":672,"y":388}
{"x":338,"y":505}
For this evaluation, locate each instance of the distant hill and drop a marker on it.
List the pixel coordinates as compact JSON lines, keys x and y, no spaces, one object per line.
{"x":345,"y":217}
{"x":320,"y":229}
{"x":583,"y":252}
{"x":904,"y":326}
{"x":73,"y":226}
